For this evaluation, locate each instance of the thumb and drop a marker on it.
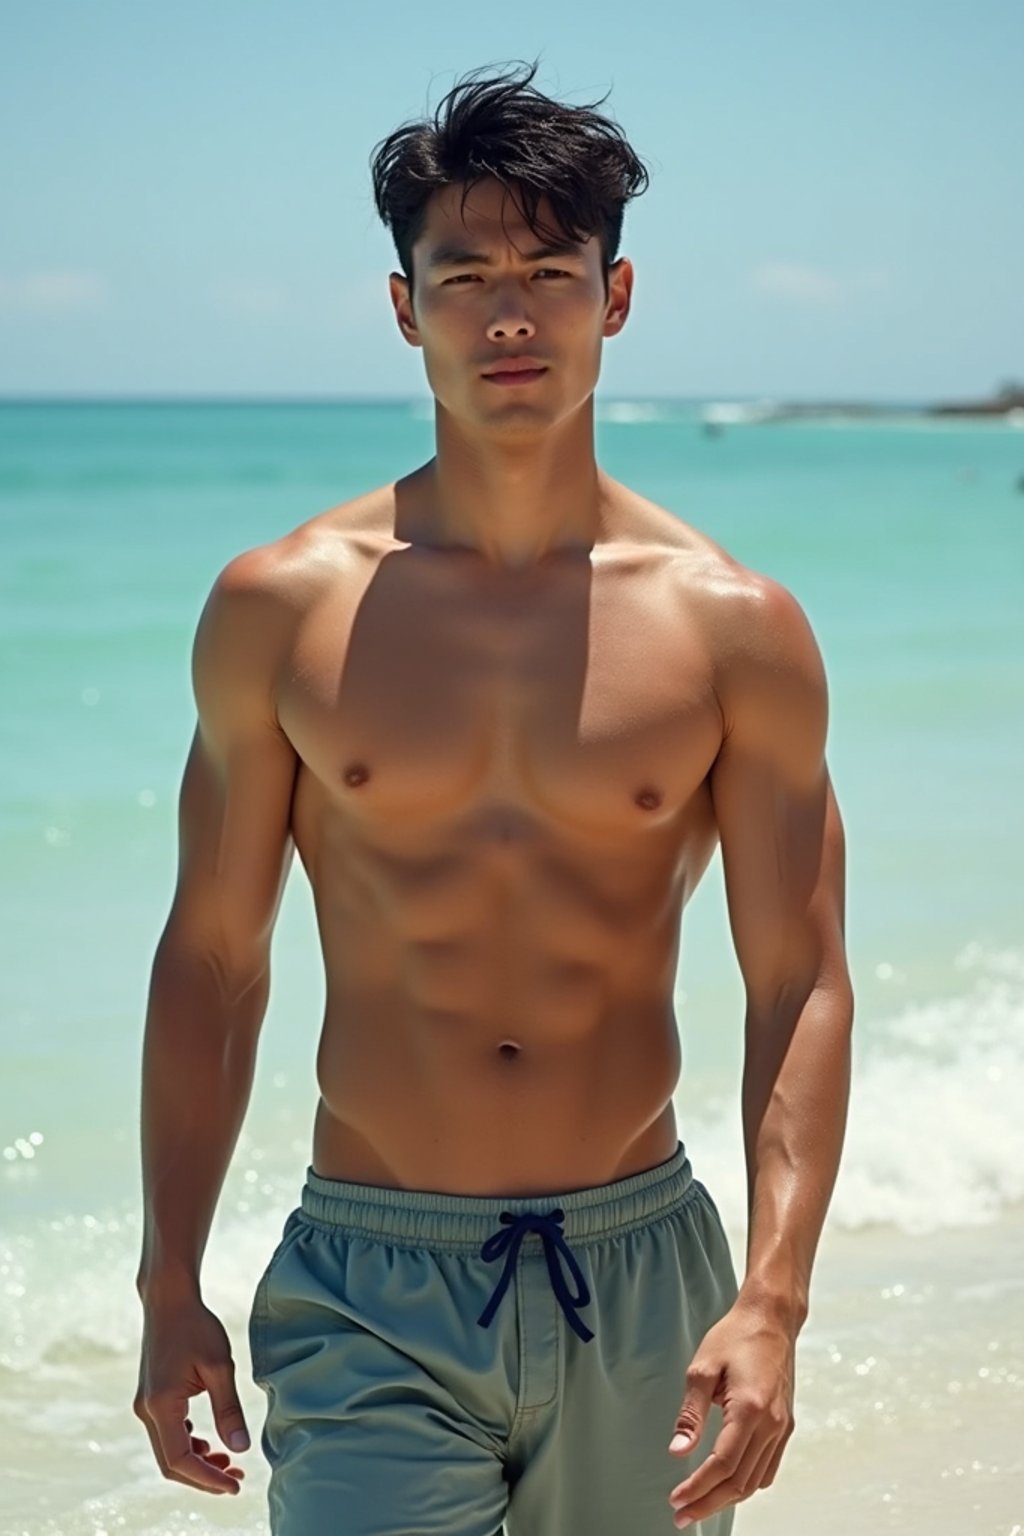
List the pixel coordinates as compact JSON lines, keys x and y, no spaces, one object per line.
{"x":692,"y":1416}
{"x":227,"y":1410}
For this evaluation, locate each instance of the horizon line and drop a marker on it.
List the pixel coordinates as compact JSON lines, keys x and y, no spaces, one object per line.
{"x":70,"y":398}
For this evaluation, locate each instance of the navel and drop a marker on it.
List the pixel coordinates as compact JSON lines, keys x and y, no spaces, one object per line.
{"x":356,"y":774}
{"x":508,"y":1050}
{"x":648,"y":798}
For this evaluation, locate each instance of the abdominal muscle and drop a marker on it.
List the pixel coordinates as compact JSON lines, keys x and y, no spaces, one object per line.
{"x":518,"y":1119}
{"x":499,"y":1065}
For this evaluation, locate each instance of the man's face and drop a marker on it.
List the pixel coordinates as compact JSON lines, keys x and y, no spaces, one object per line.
{"x":468,"y":314}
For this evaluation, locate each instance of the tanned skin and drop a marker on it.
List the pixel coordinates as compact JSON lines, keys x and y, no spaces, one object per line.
{"x":505,"y":709}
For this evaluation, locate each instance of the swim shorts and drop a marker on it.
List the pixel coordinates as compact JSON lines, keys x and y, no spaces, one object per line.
{"x":443,"y":1365}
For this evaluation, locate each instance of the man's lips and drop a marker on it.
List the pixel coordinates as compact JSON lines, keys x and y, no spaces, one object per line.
{"x":517,"y":375}
{"x":522,"y":364}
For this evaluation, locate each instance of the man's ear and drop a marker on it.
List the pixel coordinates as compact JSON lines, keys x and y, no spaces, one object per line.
{"x":620,"y":293}
{"x":401,"y":298}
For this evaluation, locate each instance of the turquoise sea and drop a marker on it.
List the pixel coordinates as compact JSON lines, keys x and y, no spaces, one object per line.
{"x":903,"y":538}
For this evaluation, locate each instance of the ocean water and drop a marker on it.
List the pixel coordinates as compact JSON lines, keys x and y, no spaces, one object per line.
{"x":904,"y":541}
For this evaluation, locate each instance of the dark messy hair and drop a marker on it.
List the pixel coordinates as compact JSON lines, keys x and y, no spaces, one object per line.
{"x":535,"y":146}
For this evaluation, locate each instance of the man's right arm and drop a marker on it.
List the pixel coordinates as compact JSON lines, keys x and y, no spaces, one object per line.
{"x":211,"y":973}
{"x":208,"y":994}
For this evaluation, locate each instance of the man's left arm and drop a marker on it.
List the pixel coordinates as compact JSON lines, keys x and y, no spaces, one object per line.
{"x":783,"y":856}
{"x":784,"y":862}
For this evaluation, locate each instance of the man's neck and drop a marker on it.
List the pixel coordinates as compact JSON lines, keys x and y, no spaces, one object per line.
{"x":514,"y":503}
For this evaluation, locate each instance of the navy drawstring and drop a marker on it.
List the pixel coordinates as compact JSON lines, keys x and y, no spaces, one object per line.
{"x":549,"y":1227}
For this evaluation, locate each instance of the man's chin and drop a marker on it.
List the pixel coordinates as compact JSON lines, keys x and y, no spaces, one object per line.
{"x":508,"y":416}
{"x":514,"y":415}
{"x":522,"y":421}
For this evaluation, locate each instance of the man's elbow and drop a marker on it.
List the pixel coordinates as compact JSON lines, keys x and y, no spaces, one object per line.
{"x":234,"y":969}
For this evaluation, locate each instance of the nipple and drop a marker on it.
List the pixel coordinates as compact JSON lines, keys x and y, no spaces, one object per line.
{"x":649,"y":798}
{"x":356,"y":774}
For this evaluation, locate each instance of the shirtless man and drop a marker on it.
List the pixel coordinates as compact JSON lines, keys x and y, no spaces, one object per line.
{"x":505,"y":708}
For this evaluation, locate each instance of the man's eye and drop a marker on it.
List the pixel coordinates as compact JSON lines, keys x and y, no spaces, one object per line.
{"x":472,"y":276}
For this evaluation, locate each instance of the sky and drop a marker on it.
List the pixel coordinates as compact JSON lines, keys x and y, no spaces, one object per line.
{"x":835,"y":212}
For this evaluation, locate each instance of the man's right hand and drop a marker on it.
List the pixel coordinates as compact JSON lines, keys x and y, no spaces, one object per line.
{"x":185,"y":1351}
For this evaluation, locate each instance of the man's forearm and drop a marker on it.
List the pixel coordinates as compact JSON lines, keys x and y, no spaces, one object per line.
{"x":198,"y":1061}
{"x":796,"y":1089}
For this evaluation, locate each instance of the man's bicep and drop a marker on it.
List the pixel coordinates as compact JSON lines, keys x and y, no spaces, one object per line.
{"x":234,"y":809}
{"x":778,"y":822}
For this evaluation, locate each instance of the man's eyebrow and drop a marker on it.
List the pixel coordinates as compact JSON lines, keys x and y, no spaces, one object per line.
{"x":460,"y":256}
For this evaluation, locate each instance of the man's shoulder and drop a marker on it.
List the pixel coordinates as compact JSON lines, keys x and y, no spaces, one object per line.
{"x":753,"y":614}
{"x":731,"y":593}
{"x":286,"y":573}
{"x":756,"y":633}
{"x":761,"y":645}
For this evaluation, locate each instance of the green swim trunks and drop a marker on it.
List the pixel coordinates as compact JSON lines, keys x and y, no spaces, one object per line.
{"x":446,"y":1365}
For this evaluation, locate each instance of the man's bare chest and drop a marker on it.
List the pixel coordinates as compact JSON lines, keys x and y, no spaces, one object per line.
{"x":580,"y":704}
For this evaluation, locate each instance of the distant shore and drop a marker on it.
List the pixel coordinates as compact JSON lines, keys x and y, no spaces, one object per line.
{"x":1007,"y":403}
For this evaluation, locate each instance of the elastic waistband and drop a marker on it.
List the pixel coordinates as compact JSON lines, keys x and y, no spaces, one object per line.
{"x":462,"y":1223}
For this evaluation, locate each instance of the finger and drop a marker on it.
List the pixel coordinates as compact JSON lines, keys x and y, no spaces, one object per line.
{"x":741,"y":1482}
{"x":734,"y":1486}
{"x":179,"y":1460}
{"x":223,"y":1460}
{"x":199,"y":1473}
{"x":219,"y":1381}
{"x":160,"y":1458}
{"x":729,"y":1449}
{"x":692,"y":1416}
{"x":756,"y":1478}
{"x":768,"y":1476}
{"x":217,"y":1458}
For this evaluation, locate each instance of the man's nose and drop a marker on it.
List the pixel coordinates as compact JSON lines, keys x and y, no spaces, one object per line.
{"x":510,"y":318}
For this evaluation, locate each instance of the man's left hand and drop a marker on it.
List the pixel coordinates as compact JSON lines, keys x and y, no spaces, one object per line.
{"x":746,"y":1363}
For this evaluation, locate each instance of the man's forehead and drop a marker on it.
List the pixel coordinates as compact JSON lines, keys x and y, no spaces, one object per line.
{"x":489,"y":214}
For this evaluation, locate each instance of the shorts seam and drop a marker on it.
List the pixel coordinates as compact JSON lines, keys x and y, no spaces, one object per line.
{"x":257,"y":1329}
{"x":259,"y":1316}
